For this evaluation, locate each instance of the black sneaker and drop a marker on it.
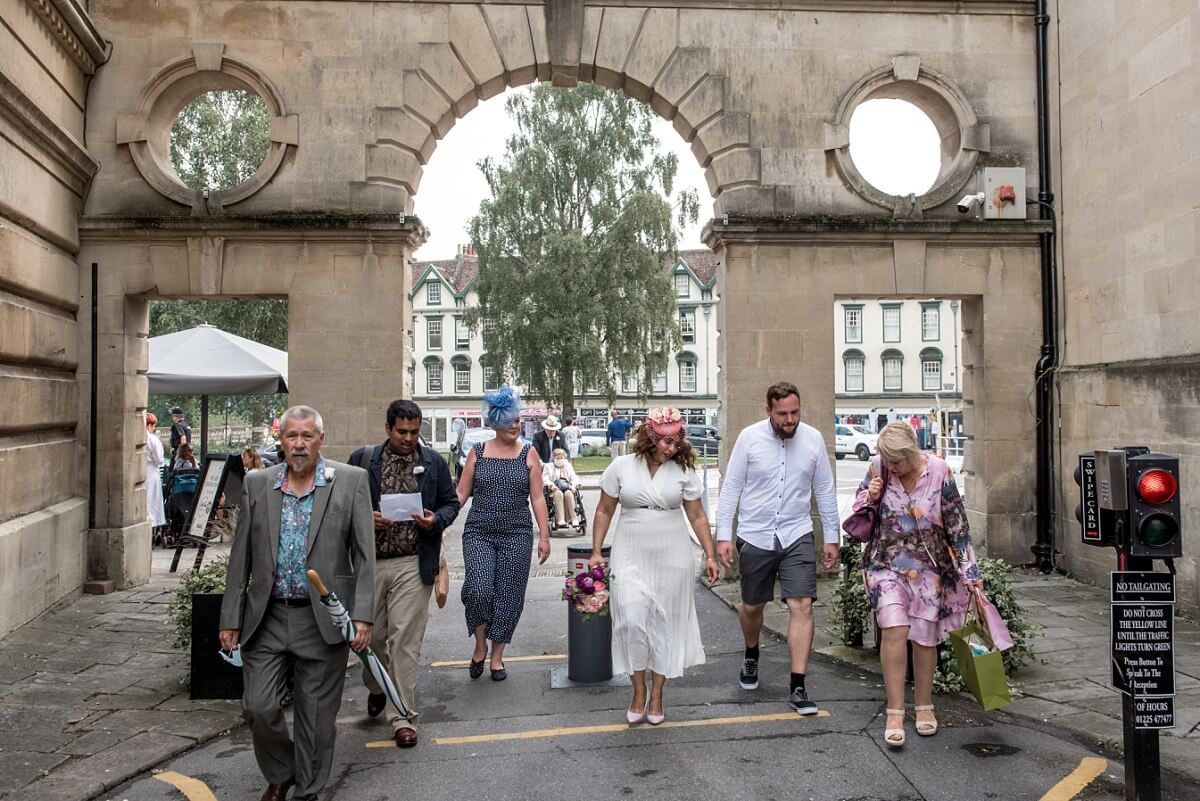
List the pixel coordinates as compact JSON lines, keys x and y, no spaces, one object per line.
{"x":748,"y":678}
{"x":802,"y":703}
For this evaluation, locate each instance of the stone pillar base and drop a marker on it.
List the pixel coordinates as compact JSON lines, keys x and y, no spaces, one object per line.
{"x":41,"y":561}
{"x":120,"y":554}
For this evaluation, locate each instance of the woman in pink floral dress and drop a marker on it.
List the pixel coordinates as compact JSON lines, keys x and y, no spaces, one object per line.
{"x":919,"y":568}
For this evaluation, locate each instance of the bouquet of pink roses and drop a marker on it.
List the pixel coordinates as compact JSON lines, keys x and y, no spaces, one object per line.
{"x":588,"y":590}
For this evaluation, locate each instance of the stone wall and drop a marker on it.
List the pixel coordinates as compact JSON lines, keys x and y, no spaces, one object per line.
{"x":780,"y":281}
{"x":48,"y":52}
{"x":1130,"y":225}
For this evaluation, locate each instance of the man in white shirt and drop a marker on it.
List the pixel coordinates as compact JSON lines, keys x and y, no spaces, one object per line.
{"x":776,"y":467}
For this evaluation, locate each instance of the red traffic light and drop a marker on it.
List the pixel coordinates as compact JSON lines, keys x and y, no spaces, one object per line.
{"x":1157,"y":486}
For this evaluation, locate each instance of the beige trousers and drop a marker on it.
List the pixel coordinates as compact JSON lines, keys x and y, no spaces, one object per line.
{"x":617,"y":448}
{"x":401,"y":612}
{"x":561,"y":500}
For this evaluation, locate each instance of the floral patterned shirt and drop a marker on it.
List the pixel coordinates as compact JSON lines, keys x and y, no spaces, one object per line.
{"x":399,"y":538}
{"x":291,"y":560}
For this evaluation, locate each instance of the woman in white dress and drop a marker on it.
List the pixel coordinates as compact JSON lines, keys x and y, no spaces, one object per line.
{"x":154,"y":462}
{"x":653,"y":562}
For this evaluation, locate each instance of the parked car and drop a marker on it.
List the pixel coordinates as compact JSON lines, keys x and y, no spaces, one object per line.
{"x":590,"y":439}
{"x":468,"y":438}
{"x":856,"y":440}
{"x":705,"y":440}
{"x":270,"y":453}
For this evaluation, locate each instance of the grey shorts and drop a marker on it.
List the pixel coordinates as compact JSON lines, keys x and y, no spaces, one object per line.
{"x":795,"y":566}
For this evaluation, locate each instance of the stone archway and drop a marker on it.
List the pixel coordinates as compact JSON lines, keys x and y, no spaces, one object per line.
{"x":362,"y":93}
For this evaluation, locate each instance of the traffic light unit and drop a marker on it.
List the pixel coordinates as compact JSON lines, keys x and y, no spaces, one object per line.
{"x":1154,"y":511}
{"x":1129,"y":498}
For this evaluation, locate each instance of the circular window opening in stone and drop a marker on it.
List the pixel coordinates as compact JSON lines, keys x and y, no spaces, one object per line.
{"x":895,"y":146}
{"x":220,"y":139}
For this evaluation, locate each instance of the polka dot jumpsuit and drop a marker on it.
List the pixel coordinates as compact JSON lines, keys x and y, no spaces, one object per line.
{"x":497,"y":544}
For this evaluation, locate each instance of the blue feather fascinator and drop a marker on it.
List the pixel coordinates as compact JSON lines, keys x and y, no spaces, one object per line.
{"x":501,"y":407}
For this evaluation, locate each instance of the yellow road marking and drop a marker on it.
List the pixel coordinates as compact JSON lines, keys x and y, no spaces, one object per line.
{"x":1089,"y":768}
{"x":507,"y":659}
{"x":565,"y":731}
{"x":193,"y":789}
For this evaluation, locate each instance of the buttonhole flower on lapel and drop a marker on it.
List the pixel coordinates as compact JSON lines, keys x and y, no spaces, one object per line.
{"x":329,"y":473}
{"x":418,"y":470}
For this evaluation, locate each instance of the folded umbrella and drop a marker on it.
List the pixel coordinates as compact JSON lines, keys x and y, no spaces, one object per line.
{"x":341,"y":619}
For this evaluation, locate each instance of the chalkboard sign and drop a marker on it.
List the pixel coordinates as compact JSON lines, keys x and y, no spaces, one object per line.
{"x":220,"y":482}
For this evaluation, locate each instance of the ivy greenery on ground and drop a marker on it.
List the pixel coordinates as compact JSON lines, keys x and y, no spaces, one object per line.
{"x":851,"y":614}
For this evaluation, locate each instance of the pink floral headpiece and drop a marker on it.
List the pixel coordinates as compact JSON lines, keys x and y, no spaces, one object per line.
{"x":665,"y":421}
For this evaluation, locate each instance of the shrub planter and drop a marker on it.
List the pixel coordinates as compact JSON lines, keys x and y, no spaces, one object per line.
{"x":212,"y":676}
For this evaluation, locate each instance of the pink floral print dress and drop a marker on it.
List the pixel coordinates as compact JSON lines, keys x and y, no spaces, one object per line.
{"x":918,"y":564}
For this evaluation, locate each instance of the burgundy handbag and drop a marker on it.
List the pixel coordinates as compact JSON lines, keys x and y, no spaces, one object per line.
{"x":861,"y":524}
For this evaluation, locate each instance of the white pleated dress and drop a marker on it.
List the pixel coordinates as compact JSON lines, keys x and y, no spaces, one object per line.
{"x":654,"y":568}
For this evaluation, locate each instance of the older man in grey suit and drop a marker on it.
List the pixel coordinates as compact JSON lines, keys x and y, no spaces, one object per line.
{"x":304,"y":513}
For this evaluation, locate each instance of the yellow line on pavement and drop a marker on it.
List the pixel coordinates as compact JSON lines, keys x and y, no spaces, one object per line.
{"x":1071,"y":784}
{"x":507,"y":659}
{"x":566,"y":731}
{"x":193,"y":789}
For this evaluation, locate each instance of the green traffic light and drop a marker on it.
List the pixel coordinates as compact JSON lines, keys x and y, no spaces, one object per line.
{"x":1157,"y":531}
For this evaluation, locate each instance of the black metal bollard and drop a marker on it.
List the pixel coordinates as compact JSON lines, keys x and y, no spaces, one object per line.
{"x":589,"y":642}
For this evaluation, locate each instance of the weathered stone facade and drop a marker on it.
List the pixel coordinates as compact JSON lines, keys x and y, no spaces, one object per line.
{"x":360,"y":93}
{"x":49,"y":52}
{"x":1130,"y":247}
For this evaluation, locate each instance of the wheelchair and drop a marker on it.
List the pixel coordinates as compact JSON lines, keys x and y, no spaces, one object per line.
{"x":580,"y":512}
{"x":179,"y":496}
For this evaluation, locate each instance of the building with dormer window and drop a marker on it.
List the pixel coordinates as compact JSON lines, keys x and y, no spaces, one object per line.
{"x":449,"y":370}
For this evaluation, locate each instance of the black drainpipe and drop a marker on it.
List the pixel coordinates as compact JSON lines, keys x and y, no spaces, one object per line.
{"x":95,"y":380}
{"x":1043,"y":548}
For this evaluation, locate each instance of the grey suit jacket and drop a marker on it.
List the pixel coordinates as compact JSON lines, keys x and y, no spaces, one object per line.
{"x":341,"y":548}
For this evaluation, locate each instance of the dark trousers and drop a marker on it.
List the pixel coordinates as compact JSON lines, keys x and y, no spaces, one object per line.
{"x":288,"y":641}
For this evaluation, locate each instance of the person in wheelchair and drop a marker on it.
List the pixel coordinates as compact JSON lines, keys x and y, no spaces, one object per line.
{"x":561,"y":486}
{"x":181,"y":489}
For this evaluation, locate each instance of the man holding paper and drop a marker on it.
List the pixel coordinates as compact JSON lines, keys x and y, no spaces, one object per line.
{"x":414,"y":501}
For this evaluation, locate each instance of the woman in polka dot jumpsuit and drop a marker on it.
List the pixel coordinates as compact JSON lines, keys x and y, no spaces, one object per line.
{"x":497,"y":537}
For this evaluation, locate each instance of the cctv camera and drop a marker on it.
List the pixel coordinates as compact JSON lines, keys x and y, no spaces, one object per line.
{"x":969,"y":201}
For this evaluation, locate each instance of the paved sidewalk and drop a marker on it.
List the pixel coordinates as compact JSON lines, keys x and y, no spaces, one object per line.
{"x":1069,"y":686}
{"x":92,"y":694}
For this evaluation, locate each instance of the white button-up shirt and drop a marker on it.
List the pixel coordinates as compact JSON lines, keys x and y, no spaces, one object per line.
{"x":769,"y":482}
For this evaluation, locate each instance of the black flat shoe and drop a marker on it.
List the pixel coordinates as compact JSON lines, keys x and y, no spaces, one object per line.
{"x":476,"y":668}
{"x":499,"y":674}
{"x":375,"y":704}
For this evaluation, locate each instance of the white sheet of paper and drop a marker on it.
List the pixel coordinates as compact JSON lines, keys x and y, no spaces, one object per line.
{"x":401,"y":506}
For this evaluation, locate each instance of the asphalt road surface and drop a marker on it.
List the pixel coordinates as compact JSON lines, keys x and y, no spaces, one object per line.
{"x":521,"y":739}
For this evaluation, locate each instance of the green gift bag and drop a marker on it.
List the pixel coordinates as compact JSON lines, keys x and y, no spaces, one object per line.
{"x":982,"y":673}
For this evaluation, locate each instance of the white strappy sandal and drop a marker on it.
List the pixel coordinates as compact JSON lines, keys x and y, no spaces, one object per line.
{"x":895,"y":737}
{"x":926,"y":728}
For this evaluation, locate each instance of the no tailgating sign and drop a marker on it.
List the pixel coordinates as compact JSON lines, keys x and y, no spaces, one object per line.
{"x":1143,"y":645}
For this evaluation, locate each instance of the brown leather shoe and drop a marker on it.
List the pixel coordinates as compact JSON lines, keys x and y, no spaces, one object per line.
{"x":277,"y":792}
{"x":406,"y":737}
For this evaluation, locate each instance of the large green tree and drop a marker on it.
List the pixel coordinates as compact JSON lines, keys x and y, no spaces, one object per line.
{"x":220,"y":138}
{"x":572,"y":243}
